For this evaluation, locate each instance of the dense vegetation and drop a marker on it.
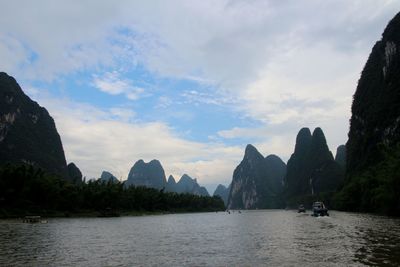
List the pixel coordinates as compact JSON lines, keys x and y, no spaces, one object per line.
{"x":375,"y":189}
{"x":25,"y":189}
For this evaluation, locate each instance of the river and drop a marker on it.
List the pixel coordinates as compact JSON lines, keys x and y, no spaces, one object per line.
{"x":249,"y":238}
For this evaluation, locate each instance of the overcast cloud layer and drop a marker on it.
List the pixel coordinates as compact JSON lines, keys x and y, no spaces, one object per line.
{"x":282,"y":65}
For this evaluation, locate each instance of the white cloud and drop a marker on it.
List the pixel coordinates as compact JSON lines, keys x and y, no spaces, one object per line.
{"x":123,"y":114}
{"x":224,"y":42}
{"x":237,"y":132}
{"x":113,"y":84}
{"x":164,"y":102}
{"x":307,"y":88}
{"x":64,"y":37}
{"x":200,"y":98}
{"x":97,"y":140}
{"x":285,"y":64}
{"x":13,"y":53}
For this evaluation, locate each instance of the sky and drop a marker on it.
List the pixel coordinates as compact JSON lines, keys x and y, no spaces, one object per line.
{"x":189,"y":83}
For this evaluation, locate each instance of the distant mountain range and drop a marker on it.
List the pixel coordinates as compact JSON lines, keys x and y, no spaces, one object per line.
{"x":152,"y":175}
{"x":268,"y":182}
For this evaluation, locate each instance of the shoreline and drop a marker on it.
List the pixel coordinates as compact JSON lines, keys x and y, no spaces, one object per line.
{"x":93,"y":214}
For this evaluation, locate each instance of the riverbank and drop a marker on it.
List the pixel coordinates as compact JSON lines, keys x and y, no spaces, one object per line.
{"x":17,"y":214}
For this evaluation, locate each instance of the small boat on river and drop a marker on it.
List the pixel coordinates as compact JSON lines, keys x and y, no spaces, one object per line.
{"x":319,"y":209}
{"x":33,"y":219}
{"x":301,"y":209}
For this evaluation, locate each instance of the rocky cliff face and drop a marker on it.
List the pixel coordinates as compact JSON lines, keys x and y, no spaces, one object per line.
{"x":257,"y":181}
{"x":311,"y":169}
{"x":375,"y":116}
{"x":28,"y":133}
{"x":108,"y":177}
{"x":373,"y":149}
{"x":147,"y":174}
{"x":222,"y":192}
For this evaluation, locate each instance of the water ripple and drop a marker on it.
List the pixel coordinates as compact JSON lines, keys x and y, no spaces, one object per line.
{"x":252,"y":238}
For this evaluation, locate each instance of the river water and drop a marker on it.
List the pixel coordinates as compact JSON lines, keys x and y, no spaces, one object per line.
{"x":250,"y":238}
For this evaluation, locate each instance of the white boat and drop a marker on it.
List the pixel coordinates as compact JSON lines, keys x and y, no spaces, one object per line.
{"x":319,"y":209}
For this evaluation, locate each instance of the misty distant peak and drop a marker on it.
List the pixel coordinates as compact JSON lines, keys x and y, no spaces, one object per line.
{"x":107,"y":177}
{"x":171,"y":180}
{"x":189,"y":185}
{"x":341,"y":155}
{"x":147,"y":174}
{"x":221,"y":187}
{"x":186,"y":177}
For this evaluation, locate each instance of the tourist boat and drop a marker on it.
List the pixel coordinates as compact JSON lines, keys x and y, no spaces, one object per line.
{"x":33,"y":219}
{"x":301,"y":208}
{"x":319,"y":209}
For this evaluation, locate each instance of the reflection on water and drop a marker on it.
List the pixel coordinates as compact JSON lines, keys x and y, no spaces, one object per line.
{"x":252,"y":238}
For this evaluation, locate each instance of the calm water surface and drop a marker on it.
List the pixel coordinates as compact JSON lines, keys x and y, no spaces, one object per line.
{"x":252,"y":238}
